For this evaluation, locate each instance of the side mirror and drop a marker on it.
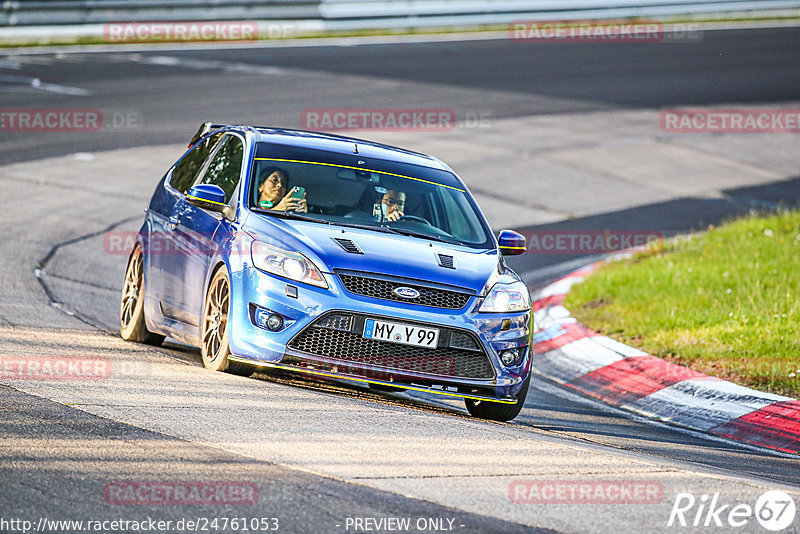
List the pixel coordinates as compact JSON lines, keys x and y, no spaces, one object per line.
{"x":511,"y":243}
{"x":207,"y":196}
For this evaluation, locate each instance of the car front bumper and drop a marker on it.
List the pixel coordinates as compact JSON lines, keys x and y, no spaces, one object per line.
{"x":300,"y":305}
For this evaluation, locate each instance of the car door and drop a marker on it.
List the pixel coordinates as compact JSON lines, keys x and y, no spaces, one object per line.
{"x":199,"y":231}
{"x":163,"y":249}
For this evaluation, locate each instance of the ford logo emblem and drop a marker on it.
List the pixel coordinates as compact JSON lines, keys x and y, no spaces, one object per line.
{"x":406,"y":292}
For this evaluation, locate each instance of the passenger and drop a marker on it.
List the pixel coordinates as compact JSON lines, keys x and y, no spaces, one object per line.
{"x":395,"y":202}
{"x":274,"y":192}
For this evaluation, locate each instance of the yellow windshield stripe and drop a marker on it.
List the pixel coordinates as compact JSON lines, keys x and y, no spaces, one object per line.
{"x":359,"y":169}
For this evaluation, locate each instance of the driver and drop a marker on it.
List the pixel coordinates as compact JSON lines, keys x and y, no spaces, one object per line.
{"x":395,"y":202}
{"x":274,"y":193}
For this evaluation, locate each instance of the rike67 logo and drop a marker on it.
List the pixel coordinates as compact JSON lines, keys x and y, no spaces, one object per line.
{"x":774,"y":510}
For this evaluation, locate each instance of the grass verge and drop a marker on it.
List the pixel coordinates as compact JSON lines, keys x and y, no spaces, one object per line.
{"x":724,"y":302}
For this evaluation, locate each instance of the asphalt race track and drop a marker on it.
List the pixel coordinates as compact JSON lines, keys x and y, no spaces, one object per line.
{"x":170,"y":88}
{"x":550,"y":136}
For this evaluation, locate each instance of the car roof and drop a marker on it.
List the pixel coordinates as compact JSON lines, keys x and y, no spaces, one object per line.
{"x":341,"y":144}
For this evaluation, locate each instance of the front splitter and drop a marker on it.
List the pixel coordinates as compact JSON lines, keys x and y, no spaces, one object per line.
{"x":354,"y":378}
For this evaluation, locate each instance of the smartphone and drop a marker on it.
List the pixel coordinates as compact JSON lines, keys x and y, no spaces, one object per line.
{"x":298,"y":192}
{"x":379,"y":211}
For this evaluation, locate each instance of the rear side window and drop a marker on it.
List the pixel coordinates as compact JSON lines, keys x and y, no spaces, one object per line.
{"x":186,"y":170}
{"x":225,"y":167}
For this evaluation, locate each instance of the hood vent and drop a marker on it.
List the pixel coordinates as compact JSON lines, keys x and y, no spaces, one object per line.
{"x":448,"y":262}
{"x":348,"y":245}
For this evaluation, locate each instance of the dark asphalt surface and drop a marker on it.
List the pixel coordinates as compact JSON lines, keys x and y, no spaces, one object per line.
{"x":56,"y":463}
{"x":725,"y":66}
{"x":503,"y":78}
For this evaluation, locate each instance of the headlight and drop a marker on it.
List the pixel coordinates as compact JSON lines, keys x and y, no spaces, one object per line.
{"x":504,"y":298}
{"x":292,"y":265}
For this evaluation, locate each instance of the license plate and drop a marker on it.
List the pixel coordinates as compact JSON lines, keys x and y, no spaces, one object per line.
{"x":401,"y":333}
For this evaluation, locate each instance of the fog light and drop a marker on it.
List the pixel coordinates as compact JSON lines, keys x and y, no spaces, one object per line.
{"x":509,"y":357}
{"x":269,"y":319}
{"x":274,"y":322}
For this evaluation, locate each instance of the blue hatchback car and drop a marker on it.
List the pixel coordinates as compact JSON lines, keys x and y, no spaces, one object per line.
{"x":334,"y":257}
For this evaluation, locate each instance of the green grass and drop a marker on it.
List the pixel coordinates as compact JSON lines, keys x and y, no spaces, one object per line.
{"x":725,"y":302}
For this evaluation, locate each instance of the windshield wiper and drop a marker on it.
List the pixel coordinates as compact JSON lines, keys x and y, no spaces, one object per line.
{"x":423,"y":235}
{"x":290,"y":215}
{"x":380,"y":228}
{"x":300,"y":217}
{"x":384,"y":229}
{"x":402,"y":231}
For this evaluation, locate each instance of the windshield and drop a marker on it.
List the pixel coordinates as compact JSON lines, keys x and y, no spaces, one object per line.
{"x":366,"y":193}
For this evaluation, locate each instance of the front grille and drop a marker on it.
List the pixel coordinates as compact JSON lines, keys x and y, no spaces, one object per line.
{"x":462,"y":340}
{"x":380,"y":288}
{"x":339,"y":336}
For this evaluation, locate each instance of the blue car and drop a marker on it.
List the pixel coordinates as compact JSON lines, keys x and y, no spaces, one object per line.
{"x":334,"y":257}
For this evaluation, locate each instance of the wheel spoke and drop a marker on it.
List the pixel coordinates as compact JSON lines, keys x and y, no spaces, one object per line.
{"x":218,"y":294}
{"x":217,"y":301}
{"x":127,"y":311}
{"x":208,"y":339}
{"x":131,"y":289}
{"x":130,"y":292}
{"x":213,"y":351}
{"x":215,"y":319}
{"x":209,"y":330}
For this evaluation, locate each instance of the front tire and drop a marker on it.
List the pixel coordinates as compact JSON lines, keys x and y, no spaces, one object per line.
{"x":215,"y":325}
{"x":496,"y":411}
{"x":132,"y":326}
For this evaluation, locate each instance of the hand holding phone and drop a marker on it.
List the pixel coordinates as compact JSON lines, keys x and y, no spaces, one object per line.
{"x":293,"y":201}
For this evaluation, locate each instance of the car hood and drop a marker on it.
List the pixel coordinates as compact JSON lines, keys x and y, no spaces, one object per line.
{"x":383,"y":253}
